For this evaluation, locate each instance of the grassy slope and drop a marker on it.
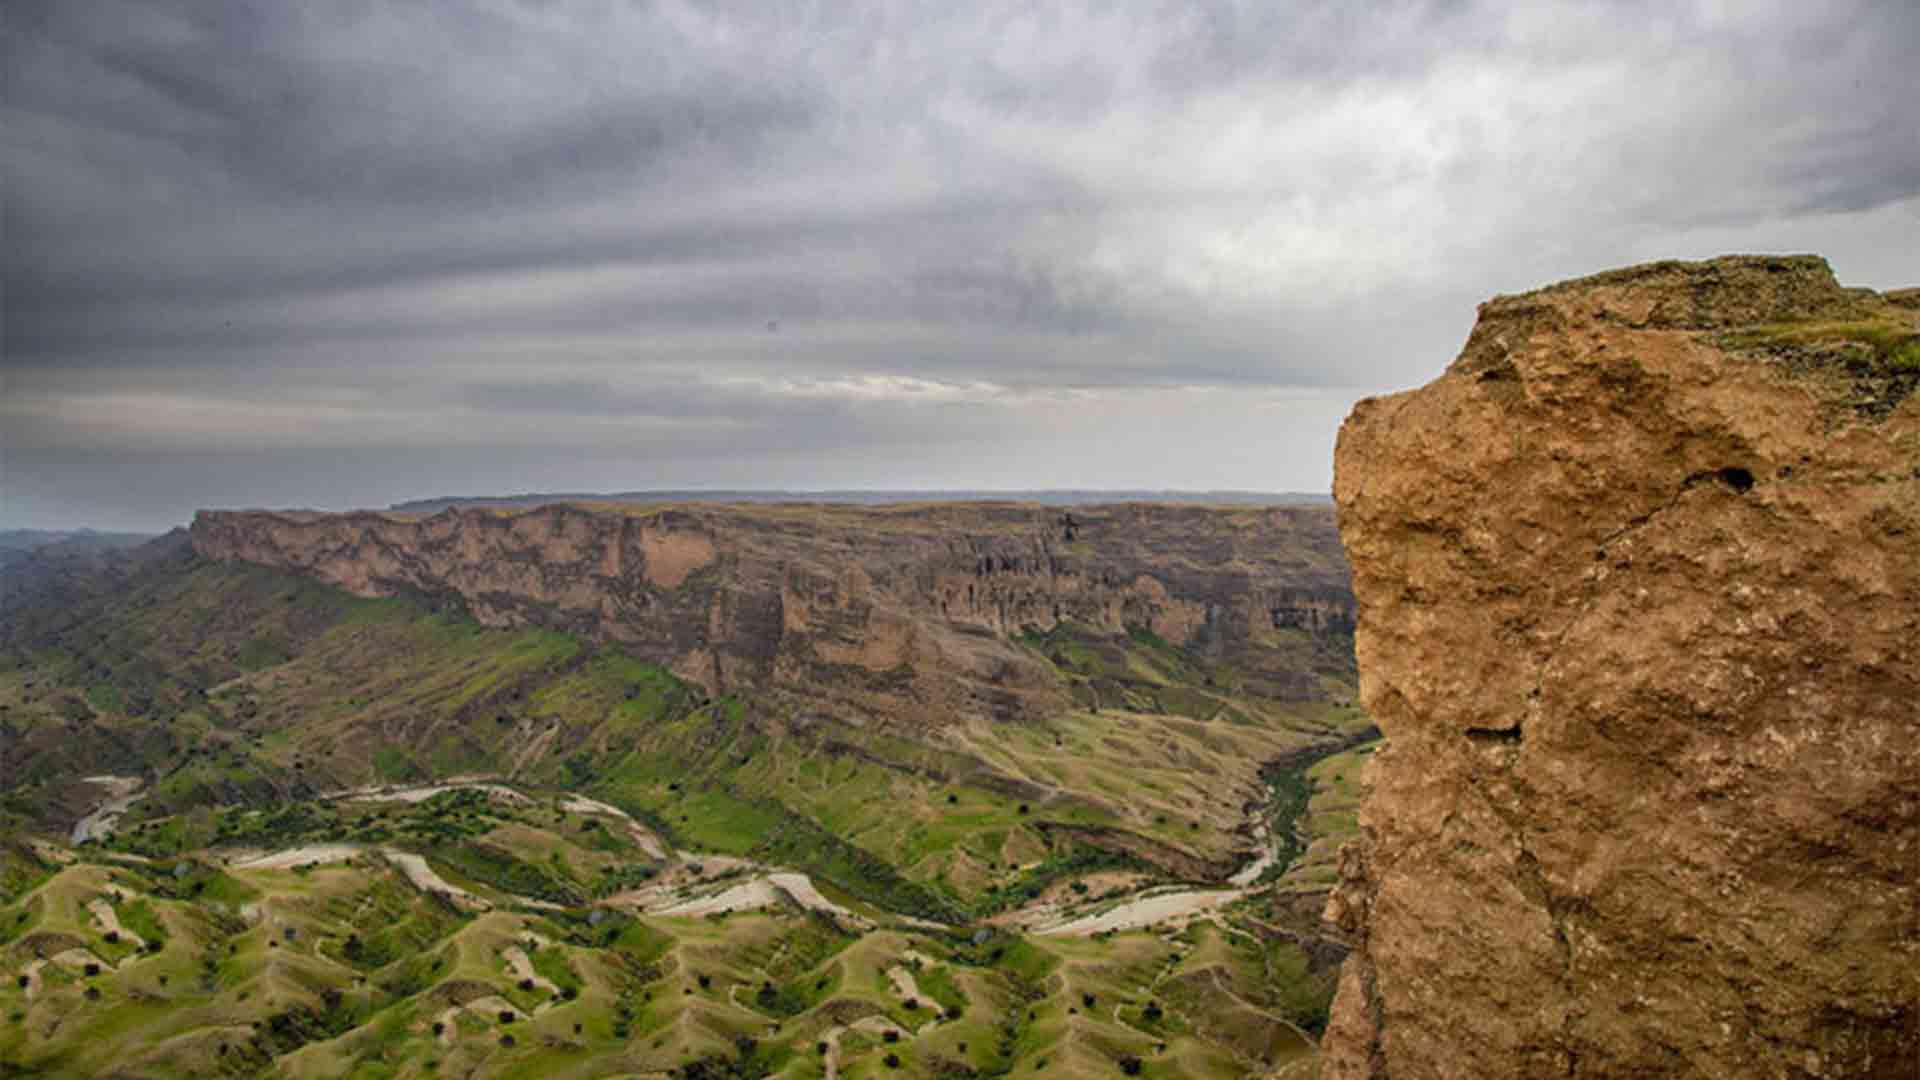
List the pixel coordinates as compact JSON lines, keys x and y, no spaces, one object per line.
{"x":343,"y":969}
{"x":239,"y":693}
{"x":228,"y":684}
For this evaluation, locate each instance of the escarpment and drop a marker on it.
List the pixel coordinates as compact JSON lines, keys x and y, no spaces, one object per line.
{"x":1639,"y":597}
{"x":907,"y":613}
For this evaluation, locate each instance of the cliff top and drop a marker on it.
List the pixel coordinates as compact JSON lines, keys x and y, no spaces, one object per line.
{"x":1854,"y":348}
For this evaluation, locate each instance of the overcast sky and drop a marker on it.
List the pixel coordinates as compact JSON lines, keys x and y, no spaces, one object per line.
{"x":340,"y":254}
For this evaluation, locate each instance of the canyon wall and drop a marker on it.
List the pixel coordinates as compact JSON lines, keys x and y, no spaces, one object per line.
{"x":1639,"y":612}
{"x":898,"y":613}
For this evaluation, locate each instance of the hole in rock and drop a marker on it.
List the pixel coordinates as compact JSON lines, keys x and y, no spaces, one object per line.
{"x":1494,"y":735}
{"x":1739,"y":480}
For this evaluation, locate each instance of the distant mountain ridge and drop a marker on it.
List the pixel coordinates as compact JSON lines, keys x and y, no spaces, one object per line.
{"x":1048,"y":497}
{"x":14,"y":542}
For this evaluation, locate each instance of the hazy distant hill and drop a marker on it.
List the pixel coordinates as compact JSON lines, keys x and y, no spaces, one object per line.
{"x":15,"y":543}
{"x":877,"y":498}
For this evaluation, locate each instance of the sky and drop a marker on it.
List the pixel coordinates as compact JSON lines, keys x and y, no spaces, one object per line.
{"x":342,"y":254}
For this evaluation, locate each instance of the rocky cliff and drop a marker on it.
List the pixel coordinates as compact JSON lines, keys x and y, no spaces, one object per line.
{"x":1639,"y":594}
{"x":895,"y":613}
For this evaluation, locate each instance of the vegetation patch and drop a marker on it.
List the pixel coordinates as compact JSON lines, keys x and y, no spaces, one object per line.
{"x":1874,"y":361}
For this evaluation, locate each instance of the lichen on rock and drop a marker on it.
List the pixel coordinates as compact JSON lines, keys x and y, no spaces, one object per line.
{"x":1639,"y":597}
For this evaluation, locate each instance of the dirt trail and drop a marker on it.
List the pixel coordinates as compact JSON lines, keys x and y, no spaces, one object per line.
{"x":901,"y":976}
{"x":109,"y":921}
{"x":762,"y":891}
{"x":755,"y":893}
{"x":832,"y":1061}
{"x":903,"y":984}
{"x":426,"y":880}
{"x":32,"y":974}
{"x":77,"y":960}
{"x":522,"y":966}
{"x":648,"y":842}
{"x":1146,"y":911}
{"x":644,"y":837}
{"x":804,"y":893}
{"x":424,"y":792}
{"x":447,"y":1025}
{"x":292,"y":857}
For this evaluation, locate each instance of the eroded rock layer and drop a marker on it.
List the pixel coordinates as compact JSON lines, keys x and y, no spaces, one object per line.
{"x":896,"y":613}
{"x":1639,"y":596}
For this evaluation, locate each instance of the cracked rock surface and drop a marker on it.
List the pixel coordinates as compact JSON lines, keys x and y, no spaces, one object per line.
{"x":1639,"y":613}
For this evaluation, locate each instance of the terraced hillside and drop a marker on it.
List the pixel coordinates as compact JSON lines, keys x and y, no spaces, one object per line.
{"x":359,"y":957}
{"x":299,"y":772}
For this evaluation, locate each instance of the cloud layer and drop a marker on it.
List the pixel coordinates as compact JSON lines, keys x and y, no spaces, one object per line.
{"x":341,"y":254}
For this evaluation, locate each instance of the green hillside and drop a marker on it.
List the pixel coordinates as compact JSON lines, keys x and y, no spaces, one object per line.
{"x":238,"y":704}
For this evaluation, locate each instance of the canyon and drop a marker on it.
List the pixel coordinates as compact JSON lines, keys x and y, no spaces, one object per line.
{"x":899,"y":614}
{"x":606,"y":789}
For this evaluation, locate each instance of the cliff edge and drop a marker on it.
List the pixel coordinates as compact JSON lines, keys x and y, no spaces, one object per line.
{"x":914,"y":614}
{"x":1638,"y":585}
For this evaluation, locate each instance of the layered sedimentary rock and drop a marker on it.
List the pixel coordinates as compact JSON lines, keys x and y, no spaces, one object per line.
{"x":896,"y":613}
{"x":1639,"y":595}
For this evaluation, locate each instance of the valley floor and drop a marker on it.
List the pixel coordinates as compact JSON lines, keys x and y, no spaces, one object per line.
{"x":337,"y":958}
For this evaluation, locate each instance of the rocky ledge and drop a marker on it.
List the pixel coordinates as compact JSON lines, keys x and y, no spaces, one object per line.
{"x":1639,"y":599}
{"x":897,"y":614}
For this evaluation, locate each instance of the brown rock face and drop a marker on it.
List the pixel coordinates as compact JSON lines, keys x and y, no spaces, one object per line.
{"x":895,"y":613}
{"x":1639,"y":588}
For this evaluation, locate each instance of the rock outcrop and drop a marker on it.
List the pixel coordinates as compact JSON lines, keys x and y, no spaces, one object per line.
{"x":1639,"y":595}
{"x":900,"y":613}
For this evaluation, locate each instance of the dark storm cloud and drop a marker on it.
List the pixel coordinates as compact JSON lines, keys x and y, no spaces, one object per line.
{"x":349,"y":252}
